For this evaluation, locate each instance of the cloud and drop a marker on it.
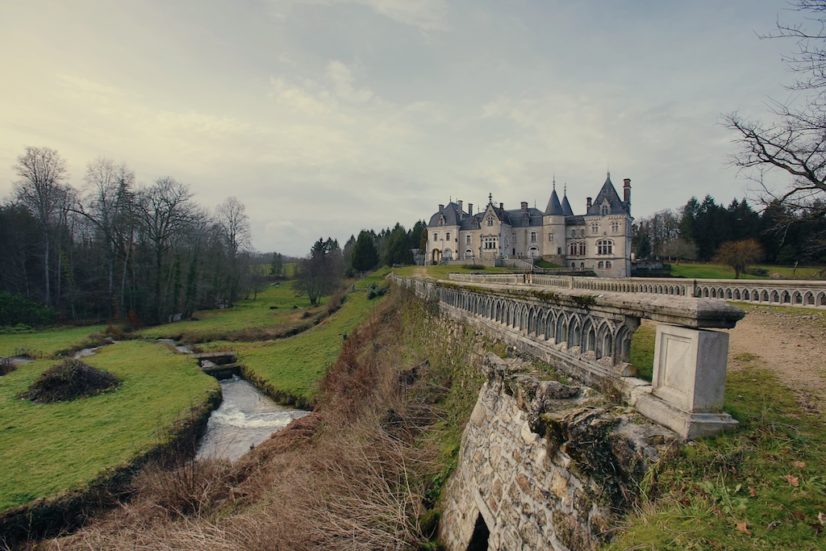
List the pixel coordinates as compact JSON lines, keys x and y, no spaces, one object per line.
{"x":426,"y":15}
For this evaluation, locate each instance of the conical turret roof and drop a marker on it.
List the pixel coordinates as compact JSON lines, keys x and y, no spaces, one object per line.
{"x":554,"y":206}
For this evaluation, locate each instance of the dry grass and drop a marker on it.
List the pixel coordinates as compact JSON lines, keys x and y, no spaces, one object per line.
{"x":352,"y":475}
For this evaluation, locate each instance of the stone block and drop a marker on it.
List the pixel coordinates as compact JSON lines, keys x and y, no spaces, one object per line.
{"x":690,"y":368}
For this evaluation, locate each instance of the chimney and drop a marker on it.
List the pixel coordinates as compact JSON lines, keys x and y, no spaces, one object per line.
{"x":524,"y":206}
{"x":626,"y":193}
{"x":459,"y":202}
{"x":470,"y":209}
{"x":502,"y":206}
{"x":441,"y":208}
{"x":588,"y":203}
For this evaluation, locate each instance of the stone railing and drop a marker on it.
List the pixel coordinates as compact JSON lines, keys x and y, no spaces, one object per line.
{"x":588,"y":337}
{"x":759,"y":291}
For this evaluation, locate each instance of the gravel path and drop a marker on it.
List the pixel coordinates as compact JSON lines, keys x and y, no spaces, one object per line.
{"x":788,"y":342}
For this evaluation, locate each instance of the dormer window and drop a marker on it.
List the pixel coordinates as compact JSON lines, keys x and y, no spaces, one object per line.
{"x":490,"y":220}
{"x":603,"y":210}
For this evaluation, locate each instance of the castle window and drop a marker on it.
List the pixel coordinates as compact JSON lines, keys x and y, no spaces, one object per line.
{"x":582,"y":249}
{"x":605,"y":247}
{"x":533,"y":237}
{"x":435,"y":237}
{"x":600,"y":265}
{"x":447,"y":237}
{"x":607,"y":264}
{"x":604,"y":210}
{"x":550,"y":237}
{"x":490,"y":220}
{"x":615,"y":226}
{"x":467,"y":240}
{"x":572,"y":249}
{"x":594,"y":228}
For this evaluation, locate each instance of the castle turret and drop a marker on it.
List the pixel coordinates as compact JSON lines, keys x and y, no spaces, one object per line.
{"x":626,"y":194}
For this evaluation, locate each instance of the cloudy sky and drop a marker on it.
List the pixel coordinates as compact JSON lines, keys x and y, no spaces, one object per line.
{"x":327,"y":116}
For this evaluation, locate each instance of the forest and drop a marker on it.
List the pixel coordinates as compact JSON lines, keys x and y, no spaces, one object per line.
{"x":111,"y":249}
{"x":699,"y":229}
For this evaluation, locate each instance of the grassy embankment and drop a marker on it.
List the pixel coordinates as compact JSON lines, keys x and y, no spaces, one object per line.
{"x":720,"y":271}
{"x":275,"y":310}
{"x":47,"y":343}
{"x":49,"y":450}
{"x":290,"y":369}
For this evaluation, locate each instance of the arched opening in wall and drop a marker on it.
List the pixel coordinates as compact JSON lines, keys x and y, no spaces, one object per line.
{"x":785,"y":298}
{"x":435,"y":256}
{"x":797,"y":298}
{"x":764,"y":296}
{"x":728,"y":294}
{"x":480,"y":536}
{"x":755,"y":296}
{"x":821,"y":299}
{"x":810,"y":298}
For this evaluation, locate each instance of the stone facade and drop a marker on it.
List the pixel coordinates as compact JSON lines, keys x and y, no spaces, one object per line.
{"x":599,"y":240}
{"x":544,"y":465}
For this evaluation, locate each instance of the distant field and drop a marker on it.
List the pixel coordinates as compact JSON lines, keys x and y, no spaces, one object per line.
{"x":720,"y":271}
{"x":49,"y":449}
{"x":295,"y":365}
{"x":277,"y":304}
{"x":47,"y":342}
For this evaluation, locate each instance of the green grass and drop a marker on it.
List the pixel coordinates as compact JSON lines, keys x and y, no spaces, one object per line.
{"x":542,"y":263}
{"x":720,"y":271}
{"x":761,"y":487}
{"x":47,"y":342}
{"x":294,"y":366}
{"x":441,"y":271}
{"x":51,"y":449}
{"x":642,"y":351}
{"x":247,"y":315}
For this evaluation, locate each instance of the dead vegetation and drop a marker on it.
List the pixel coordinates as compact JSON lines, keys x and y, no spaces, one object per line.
{"x":355,"y":474}
{"x":6,"y":366}
{"x":70,"y":380}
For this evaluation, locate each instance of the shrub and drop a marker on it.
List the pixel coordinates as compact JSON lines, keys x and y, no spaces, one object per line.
{"x":16,"y":309}
{"x":69,"y":380}
{"x":472,"y":267}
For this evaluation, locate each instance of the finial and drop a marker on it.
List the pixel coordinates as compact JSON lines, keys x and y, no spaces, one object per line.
{"x":490,"y":198}
{"x":565,"y":190}
{"x":554,"y":184}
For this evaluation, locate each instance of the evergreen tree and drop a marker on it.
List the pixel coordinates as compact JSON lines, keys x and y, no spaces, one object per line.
{"x":365,"y":255}
{"x":398,"y":247}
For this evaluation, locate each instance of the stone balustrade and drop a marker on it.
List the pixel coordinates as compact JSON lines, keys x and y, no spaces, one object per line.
{"x":588,"y":336}
{"x":758,"y":291}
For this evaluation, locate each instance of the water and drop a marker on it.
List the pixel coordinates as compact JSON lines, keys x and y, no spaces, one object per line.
{"x":246,"y":418}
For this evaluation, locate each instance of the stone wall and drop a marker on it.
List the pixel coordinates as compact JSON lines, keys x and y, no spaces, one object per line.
{"x":588,"y":336}
{"x":545,"y":465}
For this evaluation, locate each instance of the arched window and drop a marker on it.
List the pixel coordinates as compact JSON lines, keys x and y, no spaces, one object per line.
{"x":607,"y":264}
{"x":605,"y":247}
{"x":600,"y":264}
{"x":582,"y":248}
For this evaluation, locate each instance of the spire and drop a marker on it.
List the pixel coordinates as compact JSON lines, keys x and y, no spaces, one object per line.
{"x":490,"y":198}
{"x":554,"y":183}
{"x":566,"y":206}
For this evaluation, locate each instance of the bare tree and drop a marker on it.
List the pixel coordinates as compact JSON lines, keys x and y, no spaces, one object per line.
{"x":164,"y":210}
{"x":109,"y":206}
{"x":41,"y":189}
{"x":739,"y":254}
{"x":795,"y":142}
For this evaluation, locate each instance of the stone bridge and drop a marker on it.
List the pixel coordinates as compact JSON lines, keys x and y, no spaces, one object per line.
{"x":758,"y":291}
{"x":588,"y":336}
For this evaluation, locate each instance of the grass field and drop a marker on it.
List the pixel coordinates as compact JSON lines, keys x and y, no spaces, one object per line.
{"x":642,"y":351}
{"x":295,"y":365}
{"x":50,"y":449}
{"x":275,"y":306}
{"x":761,"y":487}
{"x":720,"y":271}
{"x":47,"y":342}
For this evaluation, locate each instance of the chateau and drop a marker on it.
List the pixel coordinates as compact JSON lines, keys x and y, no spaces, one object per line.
{"x":599,"y":240}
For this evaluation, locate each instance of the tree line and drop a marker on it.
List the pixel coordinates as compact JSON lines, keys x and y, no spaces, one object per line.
{"x":323,"y":270}
{"x":699,"y":230}
{"x":112,"y":249}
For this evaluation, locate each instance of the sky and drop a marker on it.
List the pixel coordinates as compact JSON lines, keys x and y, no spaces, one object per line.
{"x":325,"y":117}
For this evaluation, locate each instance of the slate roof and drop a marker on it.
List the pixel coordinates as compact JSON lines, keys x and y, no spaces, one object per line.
{"x":609,"y":194}
{"x":554,"y":206}
{"x":566,"y":206}
{"x":452,"y":213}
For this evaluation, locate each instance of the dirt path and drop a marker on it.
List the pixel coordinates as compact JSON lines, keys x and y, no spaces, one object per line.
{"x":789,"y":343}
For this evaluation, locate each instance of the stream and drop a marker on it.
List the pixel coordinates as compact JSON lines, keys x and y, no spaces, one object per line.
{"x":245,"y":418}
